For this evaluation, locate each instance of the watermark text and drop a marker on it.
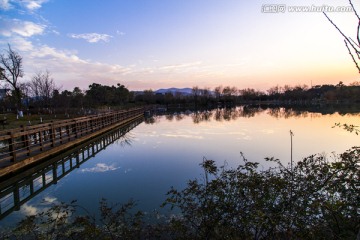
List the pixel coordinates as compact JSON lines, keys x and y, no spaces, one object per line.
{"x":282,"y":8}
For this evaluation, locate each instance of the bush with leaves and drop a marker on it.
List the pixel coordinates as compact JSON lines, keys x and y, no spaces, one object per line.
{"x":315,"y":199}
{"x":59,"y":222}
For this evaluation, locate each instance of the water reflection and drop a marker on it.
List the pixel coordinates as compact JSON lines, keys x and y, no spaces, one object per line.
{"x":17,"y":190}
{"x":231,"y":114}
{"x":167,"y":150}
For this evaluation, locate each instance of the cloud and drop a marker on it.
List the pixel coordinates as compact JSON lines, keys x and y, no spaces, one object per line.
{"x":180,"y":66}
{"x":21,"y":28}
{"x":120,"y":33}
{"x":5,"y":5}
{"x":33,"y":4}
{"x":20,"y":43}
{"x":92,"y":37}
{"x":67,"y":68}
{"x":100,"y":167}
{"x":30,"y":5}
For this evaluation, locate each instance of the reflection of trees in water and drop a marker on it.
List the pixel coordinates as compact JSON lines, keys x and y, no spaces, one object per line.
{"x":232,"y":114}
{"x":170,"y":117}
{"x":225,"y":114}
{"x":228,"y":114}
{"x":290,"y":113}
{"x":218,"y":115}
{"x":152,"y":120}
{"x":125,"y":140}
{"x":204,"y":116}
{"x":248,"y":112}
{"x":179,"y":116}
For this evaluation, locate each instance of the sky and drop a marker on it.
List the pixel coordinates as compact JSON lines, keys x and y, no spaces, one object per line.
{"x":152,"y":44}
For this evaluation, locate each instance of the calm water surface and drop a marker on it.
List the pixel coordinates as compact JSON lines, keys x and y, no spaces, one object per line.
{"x":166,"y":151}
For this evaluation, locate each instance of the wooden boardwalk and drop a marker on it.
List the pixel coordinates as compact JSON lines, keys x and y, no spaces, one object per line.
{"x":24,"y":146}
{"x":18,"y":189}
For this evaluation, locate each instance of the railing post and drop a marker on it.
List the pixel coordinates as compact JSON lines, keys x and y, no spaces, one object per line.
{"x":27,"y":144}
{"x":68,"y":131}
{"x":31,"y":185}
{"x":12,"y":147}
{"x":43,"y":180}
{"x":92,"y":124}
{"x":52,"y":135}
{"x":55,"y":178}
{"x":25,"y":140}
{"x":76,"y":129}
{"x":60,"y":134}
{"x":78,"y":159}
{"x":16,"y":197}
{"x":41,"y":139}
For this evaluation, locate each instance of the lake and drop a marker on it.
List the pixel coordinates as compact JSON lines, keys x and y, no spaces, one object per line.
{"x":142,"y":161}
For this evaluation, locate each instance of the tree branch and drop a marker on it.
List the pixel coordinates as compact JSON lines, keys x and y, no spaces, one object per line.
{"x":357,"y":15}
{"x":352,"y":56}
{"x":358,"y":34}
{"x":347,"y":39}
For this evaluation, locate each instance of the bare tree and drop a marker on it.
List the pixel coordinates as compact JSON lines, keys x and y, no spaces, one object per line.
{"x":11,"y":72}
{"x":42,"y":87}
{"x":25,"y":89}
{"x":218,"y":90}
{"x":195,"y":92}
{"x":352,"y":46}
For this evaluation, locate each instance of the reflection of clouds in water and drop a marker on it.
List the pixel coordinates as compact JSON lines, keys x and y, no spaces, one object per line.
{"x":50,"y":199}
{"x":154,"y":144}
{"x":150,"y":134}
{"x":245,"y":137}
{"x":228,"y":133}
{"x":28,"y":210}
{"x":182,"y":136}
{"x":100,"y":167}
{"x":128,"y":170}
{"x":267,"y":131}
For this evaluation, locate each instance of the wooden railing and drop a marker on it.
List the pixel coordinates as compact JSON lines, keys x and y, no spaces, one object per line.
{"x":20,"y":143}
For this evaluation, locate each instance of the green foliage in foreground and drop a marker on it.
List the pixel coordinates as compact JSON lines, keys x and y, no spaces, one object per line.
{"x":317,"y":199}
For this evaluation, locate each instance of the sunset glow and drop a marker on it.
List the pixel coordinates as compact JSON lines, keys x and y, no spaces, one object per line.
{"x":145,"y":44}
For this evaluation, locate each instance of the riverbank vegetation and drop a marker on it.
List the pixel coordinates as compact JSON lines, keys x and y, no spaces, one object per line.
{"x":101,"y":96}
{"x":316,"y":198}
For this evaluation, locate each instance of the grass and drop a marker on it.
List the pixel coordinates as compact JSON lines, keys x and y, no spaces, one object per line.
{"x":30,"y":119}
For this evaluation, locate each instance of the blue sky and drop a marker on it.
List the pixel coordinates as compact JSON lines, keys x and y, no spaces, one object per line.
{"x":145,"y":44}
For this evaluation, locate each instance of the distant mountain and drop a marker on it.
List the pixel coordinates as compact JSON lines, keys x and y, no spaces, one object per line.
{"x":184,"y":91}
